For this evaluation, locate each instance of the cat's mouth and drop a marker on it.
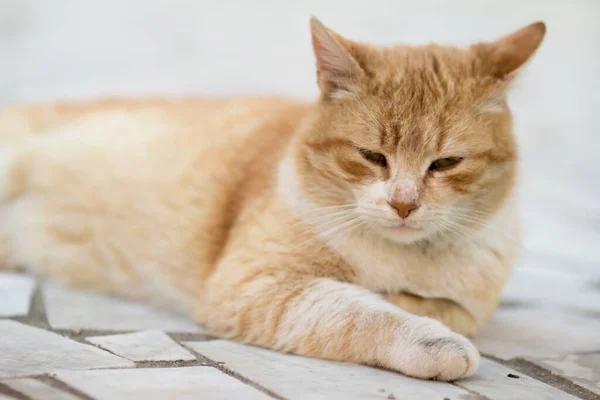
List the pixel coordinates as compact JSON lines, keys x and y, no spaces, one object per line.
{"x":403,"y":232}
{"x":404,"y":228}
{"x":401,"y":226}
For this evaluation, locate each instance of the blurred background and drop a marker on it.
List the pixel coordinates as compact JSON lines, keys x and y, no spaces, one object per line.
{"x":68,"y":49}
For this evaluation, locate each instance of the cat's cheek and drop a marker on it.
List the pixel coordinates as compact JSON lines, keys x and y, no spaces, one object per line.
{"x":377,"y":190}
{"x":436,"y":193}
{"x":438,"y":197}
{"x":446,"y":188}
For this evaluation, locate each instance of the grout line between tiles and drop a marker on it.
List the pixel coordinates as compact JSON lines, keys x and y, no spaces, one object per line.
{"x":60,"y":385}
{"x":12,"y":393}
{"x":546,"y":376}
{"x":585,"y":353}
{"x":37,"y":309}
{"x":81,"y":334}
{"x":473,"y":395}
{"x":232,"y":373}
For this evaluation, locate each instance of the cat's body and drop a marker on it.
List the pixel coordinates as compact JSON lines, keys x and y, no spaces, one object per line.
{"x":246,"y":215}
{"x":164,"y":181}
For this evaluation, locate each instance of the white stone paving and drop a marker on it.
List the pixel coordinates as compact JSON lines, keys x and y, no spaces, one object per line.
{"x":500,"y":383}
{"x":191,"y":383}
{"x":15,"y":294}
{"x":540,"y":308}
{"x":538,"y":331}
{"x":561,"y":289}
{"x":143,"y":346}
{"x":70,"y":309}
{"x":296,"y":377}
{"x":584,"y":369}
{"x":36,"y":389}
{"x":25,"y":351}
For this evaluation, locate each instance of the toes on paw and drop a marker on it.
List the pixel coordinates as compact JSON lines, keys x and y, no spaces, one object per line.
{"x":454,"y":355}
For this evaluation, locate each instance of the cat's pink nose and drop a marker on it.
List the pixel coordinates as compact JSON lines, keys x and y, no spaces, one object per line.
{"x":403,"y":209}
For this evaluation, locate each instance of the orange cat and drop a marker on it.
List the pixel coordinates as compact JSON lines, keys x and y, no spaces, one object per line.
{"x":345,"y":229}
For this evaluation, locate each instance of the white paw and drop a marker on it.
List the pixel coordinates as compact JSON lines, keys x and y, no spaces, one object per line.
{"x":429,"y":350}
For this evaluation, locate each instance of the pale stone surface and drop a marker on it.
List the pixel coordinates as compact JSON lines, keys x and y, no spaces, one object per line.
{"x":542,"y":302}
{"x":296,"y":377}
{"x":143,"y":346}
{"x":560,"y":208}
{"x":553,"y":285}
{"x":38,"y":390}
{"x":493,"y":381}
{"x":538,"y":332}
{"x":15,"y":294}
{"x":584,"y":369}
{"x":191,"y":383}
{"x":26,"y":351}
{"x":74,"y":309}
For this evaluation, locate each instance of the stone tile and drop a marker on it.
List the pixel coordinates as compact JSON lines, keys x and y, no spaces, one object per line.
{"x":74,"y":309}
{"x":160,"y":383}
{"x":534,"y":283}
{"x":143,"y":346}
{"x":561,"y":234}
{"x":541,"y":303}
{"x":567,"y":226}
{"x":545,"y":262}
{"x":25,"y":350}
{"x":494,"y":382}
{"x":538,"y":332}
{"x":296,"y":377}
{"x":38,"y":390}
{"x":583,"y":369}
{"x":15,"y":294}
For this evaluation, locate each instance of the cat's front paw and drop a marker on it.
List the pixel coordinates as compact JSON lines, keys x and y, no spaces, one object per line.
{"x":432,"y":351}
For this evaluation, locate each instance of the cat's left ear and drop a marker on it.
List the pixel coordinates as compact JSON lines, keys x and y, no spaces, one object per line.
{"x":338,"y":72}
{"x":503,"y":57}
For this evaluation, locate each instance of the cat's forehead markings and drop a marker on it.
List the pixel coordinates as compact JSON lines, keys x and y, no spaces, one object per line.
{"x":446,"y":144}
{"x":384,"y":134}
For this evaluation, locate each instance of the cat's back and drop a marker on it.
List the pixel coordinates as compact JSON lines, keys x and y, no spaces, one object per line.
{"x":216,"y":143}
{"x":162,"y":181}
{"x":209,"y":118}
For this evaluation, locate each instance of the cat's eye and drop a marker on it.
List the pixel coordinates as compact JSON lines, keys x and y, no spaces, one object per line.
{"x":444,"y":163}
{"x":374,"y":157}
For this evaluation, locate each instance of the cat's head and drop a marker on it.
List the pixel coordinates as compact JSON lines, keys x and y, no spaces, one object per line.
{"x":408,"y":141}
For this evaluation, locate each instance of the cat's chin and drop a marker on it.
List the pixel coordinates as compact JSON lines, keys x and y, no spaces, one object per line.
{"x":403,"y":234}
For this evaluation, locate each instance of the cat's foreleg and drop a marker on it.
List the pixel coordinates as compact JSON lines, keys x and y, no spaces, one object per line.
{"x":324,"y":318}
{"x":446,"y":311}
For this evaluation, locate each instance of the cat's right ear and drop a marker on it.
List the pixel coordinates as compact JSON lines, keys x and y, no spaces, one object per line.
{"x":337,"y":71}
{"x":505,"y":56}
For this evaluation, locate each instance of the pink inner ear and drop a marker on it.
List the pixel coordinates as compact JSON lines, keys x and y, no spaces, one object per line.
{"x":330,"y":56}
{"x":336,"y":69}
{"x":323,"y":57}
